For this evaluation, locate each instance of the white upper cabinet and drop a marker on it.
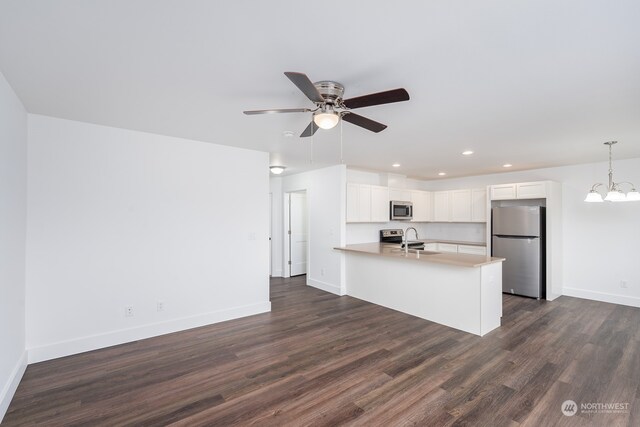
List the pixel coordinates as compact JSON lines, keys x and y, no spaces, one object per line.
{"x":441,"y":206}
{"x":379,"y":204}
{"x":503,"y":192}
{"x":421,"y":205}
{"x":460,"y":205}
{"x":478,"y":205}
{"x":367,"y":203}
{"x":400,"y":195}
{"x":353,"y":203}
{"x":522,"y":190}
{"x":531,"y":190}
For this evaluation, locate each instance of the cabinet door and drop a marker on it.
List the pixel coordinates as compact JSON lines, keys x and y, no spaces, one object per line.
{"x":379,"y":204}
{"x":399,"y":195}
{"x":430,"y":246}
{"x":352,"y":202}
{"x":503,"y":192}
{"x":479,"y":205}
{"x":364,"y":203}
{"x":447,"y":247}
{"x":441,"y":209}
{"x":473,"y":250}
{"x":461,"y":205}
{"x":531,"y":190}
{"x":420,"y":206}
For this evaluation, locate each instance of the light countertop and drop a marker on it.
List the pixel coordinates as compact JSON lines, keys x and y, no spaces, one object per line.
{"x":389,"y":251}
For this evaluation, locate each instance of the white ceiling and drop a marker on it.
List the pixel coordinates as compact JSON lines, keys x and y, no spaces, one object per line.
{"x":532,"y":82}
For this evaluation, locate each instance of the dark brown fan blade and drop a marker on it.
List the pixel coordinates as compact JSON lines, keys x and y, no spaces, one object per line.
{"x":310,"y":130}
{"x":279,"y":110}
{"x":368,"y":124}
{"x":395,"y":95}
{"x":305,"y":85}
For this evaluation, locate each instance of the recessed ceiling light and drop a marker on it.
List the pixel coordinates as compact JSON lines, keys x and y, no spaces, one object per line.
{"x":467,"y":153}
{"x":396,"y":165}
{"x":277,"y":170}
{"x":288,"y":133}
{"x":442,"y":173}
{"x":507,"y":165}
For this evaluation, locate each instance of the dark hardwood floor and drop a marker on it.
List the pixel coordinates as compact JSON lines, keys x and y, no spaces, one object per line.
{"x":319,"y":359}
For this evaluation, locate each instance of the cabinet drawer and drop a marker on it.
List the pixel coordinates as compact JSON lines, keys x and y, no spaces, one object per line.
{"x":473,"y":250}
{"x":447,"y":247}
{"x":430,"y":246}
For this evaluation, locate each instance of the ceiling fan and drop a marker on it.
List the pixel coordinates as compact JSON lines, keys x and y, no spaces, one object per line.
{"x":330,"y":107}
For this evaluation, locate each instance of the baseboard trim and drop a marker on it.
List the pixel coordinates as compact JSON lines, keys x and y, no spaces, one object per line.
{"x":94,"y":342}
{"x":276,"y":273}
{"x":602,"y":296}
{"x":11,"y":386}
{"x":327,"y":287}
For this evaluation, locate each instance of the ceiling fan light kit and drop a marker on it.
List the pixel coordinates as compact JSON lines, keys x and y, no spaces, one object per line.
{"x":327,"y":95}
{"x":614,"y":192}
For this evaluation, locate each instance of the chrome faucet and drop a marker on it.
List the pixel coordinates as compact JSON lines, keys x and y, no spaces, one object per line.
{"x":406,"y":238}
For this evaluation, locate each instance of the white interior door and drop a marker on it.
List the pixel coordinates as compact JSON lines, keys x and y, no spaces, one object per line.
{"x":298,"y":234}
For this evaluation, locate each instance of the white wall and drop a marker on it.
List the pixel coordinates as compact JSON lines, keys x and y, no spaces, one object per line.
{"x":601,"y":241}
{"x":118,"y":218}
{"x":326,"y":198}
{"x":13,"y":204}
{"x":277,"y":226}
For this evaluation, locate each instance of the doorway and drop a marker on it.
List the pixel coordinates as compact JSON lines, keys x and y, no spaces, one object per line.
{"x":297,"y":232}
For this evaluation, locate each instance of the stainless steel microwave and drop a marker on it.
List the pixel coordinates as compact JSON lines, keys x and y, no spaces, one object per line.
{"x":400,"y":210}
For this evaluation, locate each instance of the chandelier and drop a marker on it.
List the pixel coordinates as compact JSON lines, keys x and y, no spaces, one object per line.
{"x":614,"y":193}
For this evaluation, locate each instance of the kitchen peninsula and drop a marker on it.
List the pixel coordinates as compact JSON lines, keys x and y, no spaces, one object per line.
{"x":458,"y":290}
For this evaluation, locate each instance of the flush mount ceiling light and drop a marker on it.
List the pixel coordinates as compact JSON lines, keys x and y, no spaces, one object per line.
{"x":396,"y":165}
{"x":442,"y":173}
{"x":277,"y":170}
{"x":326,"y":118}
{"x":467,"y":153}
{"x":614,"y":193}
{"x":507,"y":165}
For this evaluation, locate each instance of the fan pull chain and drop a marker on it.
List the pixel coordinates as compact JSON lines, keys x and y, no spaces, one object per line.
{"x":311,"y":149}
{"x":341,"y":156}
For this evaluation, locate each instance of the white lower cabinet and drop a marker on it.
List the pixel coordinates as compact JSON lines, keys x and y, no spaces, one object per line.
{"x":431,"y":247}
{"x":447,"y":247}
{"x":473,"y":250}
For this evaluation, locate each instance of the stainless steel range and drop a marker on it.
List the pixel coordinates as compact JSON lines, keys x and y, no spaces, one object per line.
{"x":395,"y":236}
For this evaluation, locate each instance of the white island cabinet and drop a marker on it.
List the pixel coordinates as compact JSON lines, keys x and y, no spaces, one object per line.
{"x":457,"y":290}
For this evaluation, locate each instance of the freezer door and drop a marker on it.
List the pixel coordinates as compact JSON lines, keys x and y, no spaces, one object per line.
{"x":516,"y":221}
{"x":521,"y":273}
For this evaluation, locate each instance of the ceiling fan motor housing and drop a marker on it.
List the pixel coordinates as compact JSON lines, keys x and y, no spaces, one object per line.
{"x":330,"y":91}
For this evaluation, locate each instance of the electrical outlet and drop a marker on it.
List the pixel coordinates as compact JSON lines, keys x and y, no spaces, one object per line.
{"x":160,"y":306}
{"x":128,"y":311}
{"x":624,"y":284}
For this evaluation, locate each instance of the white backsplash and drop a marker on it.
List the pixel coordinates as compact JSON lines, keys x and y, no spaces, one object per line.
{"x":370,"y":232}
{"x":463,"y":231}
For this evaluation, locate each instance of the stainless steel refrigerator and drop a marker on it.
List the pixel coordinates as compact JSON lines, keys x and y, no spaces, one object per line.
{"x":518,"y":234}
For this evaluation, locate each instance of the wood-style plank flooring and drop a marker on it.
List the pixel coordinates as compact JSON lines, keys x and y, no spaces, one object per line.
{"x":319,"y":359}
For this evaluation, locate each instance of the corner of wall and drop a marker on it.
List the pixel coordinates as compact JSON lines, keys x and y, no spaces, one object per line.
{"x":12,"y":384}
